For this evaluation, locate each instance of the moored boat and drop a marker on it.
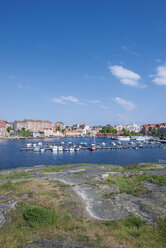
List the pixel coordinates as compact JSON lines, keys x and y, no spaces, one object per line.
{"x":93,"y":147}
{"x":42,"y":149}
{"x":36,"y":149}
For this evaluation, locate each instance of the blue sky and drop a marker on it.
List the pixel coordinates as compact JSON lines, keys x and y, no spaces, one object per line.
{"x":88,"y":61}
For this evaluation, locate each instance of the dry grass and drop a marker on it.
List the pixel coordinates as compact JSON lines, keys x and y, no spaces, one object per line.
{"x":73,"y":225}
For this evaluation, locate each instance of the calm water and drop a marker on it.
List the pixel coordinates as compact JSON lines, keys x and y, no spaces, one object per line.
{"x":11,"y":157}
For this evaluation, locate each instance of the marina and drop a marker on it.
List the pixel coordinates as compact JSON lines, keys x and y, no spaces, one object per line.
{"x":59,"y":151}
{"x":77,"y":146}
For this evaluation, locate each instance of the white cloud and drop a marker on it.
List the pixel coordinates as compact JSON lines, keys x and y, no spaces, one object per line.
{"x":160,"y":77}
{"x":127,"y":77}
{"x":65,"y":99}
{"x":94,"y":101}
{"x":128,"y":105}
{"x":19,"y":86}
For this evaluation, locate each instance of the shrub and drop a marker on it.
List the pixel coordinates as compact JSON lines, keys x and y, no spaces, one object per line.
{"x":38,"y":215}
{"x":133,"y":221}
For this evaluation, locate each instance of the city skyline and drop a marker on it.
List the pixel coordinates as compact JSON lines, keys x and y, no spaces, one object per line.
{"x":87,"y":61}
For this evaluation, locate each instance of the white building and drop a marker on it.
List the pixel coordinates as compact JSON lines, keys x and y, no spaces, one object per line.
{"x":130,"y":127}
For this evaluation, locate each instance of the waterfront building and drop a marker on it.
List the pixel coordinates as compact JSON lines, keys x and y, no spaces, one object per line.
{"x":48,"y":132}
{"x":129,"y":128}
{"x":2,"y":129}
{"x":9,"y":124}
{"x":148,"y":128}
{"x":78,"y":132}
{"x":60,"y":125}
{"x":32,"y":125}
{"x":162,"y":130}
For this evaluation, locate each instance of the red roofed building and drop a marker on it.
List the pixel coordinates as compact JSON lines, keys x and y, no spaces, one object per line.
{"x":2,"y":129}
{"x":148,"y":128}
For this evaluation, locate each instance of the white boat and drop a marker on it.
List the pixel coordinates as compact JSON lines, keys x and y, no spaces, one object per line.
{"x":54,"y":148}
{"x":124,"y":138}
{"x":29,"y":145}
{"x":71,"y":149}
{"x":39,"y":143}
{"x":34,"y":145}
{"x":103,"y":143}
{"x":42,"y":149}
{"x":66,"y":149}
{"x":77,"y":149}
{"x":36,"y":149}
{"x":60,"y":148}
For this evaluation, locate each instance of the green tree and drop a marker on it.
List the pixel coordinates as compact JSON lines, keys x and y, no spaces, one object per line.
{"x":9,"y":129}
{"x":155,"y":131}
{"x":58,"y":129}
{"x":104,"y":130}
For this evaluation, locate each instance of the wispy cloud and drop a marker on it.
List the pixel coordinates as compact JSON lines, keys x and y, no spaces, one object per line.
{"x":104,"y":107}
{"x":160,"y":77}
{"x":20,"y":86}
{"x":158,"y":60}
{"x":128,"y":105}
{"x":94,"y":101}
{"x":64,"y":99}
{"x":12,"y":77}
{"x":94,"y":77}
{"x":124,"y":47}
{"x":127,"y":77}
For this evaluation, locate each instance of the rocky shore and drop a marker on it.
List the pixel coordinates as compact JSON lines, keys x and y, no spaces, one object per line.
{"x":104,"y":190}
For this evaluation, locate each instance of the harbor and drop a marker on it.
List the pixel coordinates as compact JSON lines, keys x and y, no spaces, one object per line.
{"x":59,"y":151}
{"x":77,"y":146}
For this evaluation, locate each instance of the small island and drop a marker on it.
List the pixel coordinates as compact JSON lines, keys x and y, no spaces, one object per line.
{"x":83,"y":205}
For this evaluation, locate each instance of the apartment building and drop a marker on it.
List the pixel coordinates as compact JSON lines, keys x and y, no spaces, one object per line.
{"x":33,"y":125}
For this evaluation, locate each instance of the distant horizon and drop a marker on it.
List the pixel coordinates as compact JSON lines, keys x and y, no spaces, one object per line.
{"x":96,"y":61}
{"x":74,"y":123}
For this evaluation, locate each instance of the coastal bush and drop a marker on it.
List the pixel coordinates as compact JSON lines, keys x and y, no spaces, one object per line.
{"x":133,"y":221}
{"x":157,"y":179}
{"x":38,"y":215}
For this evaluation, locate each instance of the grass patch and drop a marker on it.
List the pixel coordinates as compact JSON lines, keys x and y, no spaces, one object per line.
{"x":16,"y":175}
{"x":157,"y":179}
{"x":38,"y":215}
{"x":130,"y":185}
{"x":133,"y":221}
{"x":58,"y":168}
{"x":133,"y":184}
{"x":12,"y":186}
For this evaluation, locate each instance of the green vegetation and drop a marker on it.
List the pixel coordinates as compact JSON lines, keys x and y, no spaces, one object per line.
{"x":109,"y":129}
{"x":133,"y":221}
{"x":157,"y":179}
{"x":38,"y":215}
{"x":47,"y":218}
{"x":24,"y":132}
{"x":16,"y":175}
{"x":126,"y":133}
{"x":133,"y":184}
{"x":58,"y":129}
{"x":155,"y":131}
{"x":9,"y":129}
